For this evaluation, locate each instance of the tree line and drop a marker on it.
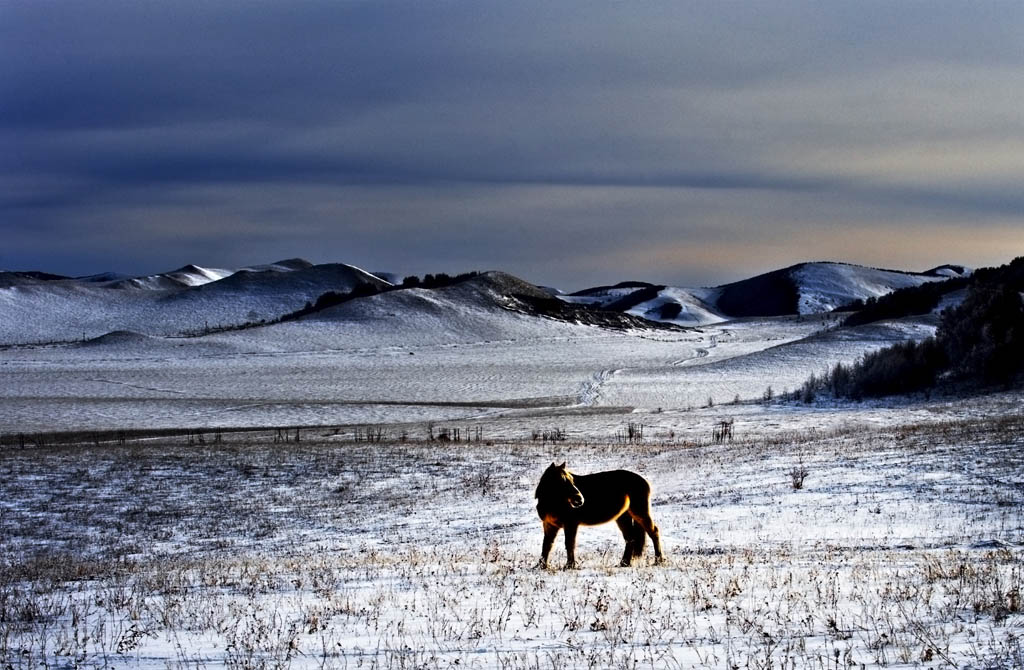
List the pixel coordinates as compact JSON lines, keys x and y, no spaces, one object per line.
{"x":978,"y":343}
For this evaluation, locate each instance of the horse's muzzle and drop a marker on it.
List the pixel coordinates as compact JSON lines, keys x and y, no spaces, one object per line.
{"x":576,"y":502}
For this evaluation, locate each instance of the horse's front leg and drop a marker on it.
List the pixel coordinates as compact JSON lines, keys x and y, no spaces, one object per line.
{"x":550,"y":532}
{"x":570,"y":546}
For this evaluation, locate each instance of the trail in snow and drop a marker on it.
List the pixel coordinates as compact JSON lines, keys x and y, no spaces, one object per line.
{"x":141,"y":387}
{"x":700,"y":352}
{"x":590,"y":390}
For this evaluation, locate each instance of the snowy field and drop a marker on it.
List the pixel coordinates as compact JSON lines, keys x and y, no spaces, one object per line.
{"x":261,"y":528}
{"x":141,"y":354}
{"x":902,"y":549}
{"x":508,"y":371}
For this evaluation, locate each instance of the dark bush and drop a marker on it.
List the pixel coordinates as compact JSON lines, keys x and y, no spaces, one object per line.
{"x":902,"y":368}
{"x":670,"y":310}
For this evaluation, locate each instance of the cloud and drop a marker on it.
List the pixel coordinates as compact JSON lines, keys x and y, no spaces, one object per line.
{"x":495,"y":133}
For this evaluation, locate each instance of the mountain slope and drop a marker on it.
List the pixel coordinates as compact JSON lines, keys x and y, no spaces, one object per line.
{"x":37,"y":307}
{"x":190,"y":275}
{"x":492,"y":305}
{"x":185,"y":301}
{"x":806,"y":288}
{"x":823,"y":287}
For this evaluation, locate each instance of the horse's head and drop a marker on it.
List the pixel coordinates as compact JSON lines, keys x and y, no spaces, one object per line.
{"x":557,"y":483}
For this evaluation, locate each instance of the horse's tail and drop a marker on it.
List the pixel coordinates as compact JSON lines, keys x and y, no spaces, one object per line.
{"x":639,"y":539}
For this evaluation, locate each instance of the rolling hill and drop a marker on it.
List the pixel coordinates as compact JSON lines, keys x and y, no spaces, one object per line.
{"x":805,"y":288}
{"x":36,"y":307}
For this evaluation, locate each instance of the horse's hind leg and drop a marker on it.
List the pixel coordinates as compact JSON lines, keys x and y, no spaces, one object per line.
{"x":643,"y":518}
{"x":639,"y":540}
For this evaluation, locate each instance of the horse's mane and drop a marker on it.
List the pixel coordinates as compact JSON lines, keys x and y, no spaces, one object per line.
{"x":545,"y":479}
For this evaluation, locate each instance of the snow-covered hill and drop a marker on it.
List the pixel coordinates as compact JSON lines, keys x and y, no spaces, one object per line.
{"x":36,"y":309}
{"x":806,"y":288}
{"x":487,"y":347}
{"x":666,"y":304}
{"x":195,"y":300}
{"x":824,"y":287}
{"x":190,"y":275}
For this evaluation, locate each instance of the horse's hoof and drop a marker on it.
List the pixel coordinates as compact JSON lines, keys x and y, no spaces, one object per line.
{"x":571,"y":566}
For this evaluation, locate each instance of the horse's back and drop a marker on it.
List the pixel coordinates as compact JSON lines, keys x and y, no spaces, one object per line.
{"x":614,"y":481}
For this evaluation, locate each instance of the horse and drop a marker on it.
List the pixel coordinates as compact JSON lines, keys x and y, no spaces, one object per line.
{"x":566,"y":500}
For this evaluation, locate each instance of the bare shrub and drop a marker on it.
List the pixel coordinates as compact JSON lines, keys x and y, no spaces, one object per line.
{"x":723,"y":431}
{"x":797,"y":475}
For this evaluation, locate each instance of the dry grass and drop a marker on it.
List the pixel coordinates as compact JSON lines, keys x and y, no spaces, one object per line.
{"x":250,"y":554}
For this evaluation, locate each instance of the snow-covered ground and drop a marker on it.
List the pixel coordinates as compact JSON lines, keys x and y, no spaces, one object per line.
{"x":253,"y":549}
{"x":351,"y":367}
{"x":902,"y":549}
{"x":467,"y":352}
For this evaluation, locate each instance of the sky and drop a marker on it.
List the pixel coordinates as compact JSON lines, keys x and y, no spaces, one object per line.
{"x":572,"y":143}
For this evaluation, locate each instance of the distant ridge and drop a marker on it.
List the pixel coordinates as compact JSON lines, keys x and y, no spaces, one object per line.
{"x":39,"y":307}
{"x":117,"y":337}
{"x":282,"y":266}
{"x":189,"y":275}
{"x":948,"y":271}
{"x":804,"y":288}
{"x":607,"y":290}
{"x":486,"y":306}
{"x":18,"y":278}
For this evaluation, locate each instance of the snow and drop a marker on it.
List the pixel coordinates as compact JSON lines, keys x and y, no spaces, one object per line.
{"x":184,"y":302}
{"x":254,"y":549}
{"x":821,"y":287}
{"x":902,"y":548}
{"x":695,"y":307}
{"x":463,"y":352}
{"x":190,"y":275}
{"x":826,"y":286}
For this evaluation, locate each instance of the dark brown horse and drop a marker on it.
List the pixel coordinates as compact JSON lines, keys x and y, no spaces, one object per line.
{"x":565,"y":500}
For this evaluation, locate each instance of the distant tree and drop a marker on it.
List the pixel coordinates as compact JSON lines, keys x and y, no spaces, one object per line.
{"x":902,"y":368}
{"x":984,"y":335}
{"x":909,"y":301}
{"x":363,"y":290}
{"x":436,"y":281}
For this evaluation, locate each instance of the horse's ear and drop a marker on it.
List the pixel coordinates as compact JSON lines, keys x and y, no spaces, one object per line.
{"x":562,"y":466}
{"x":553,"y":464}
